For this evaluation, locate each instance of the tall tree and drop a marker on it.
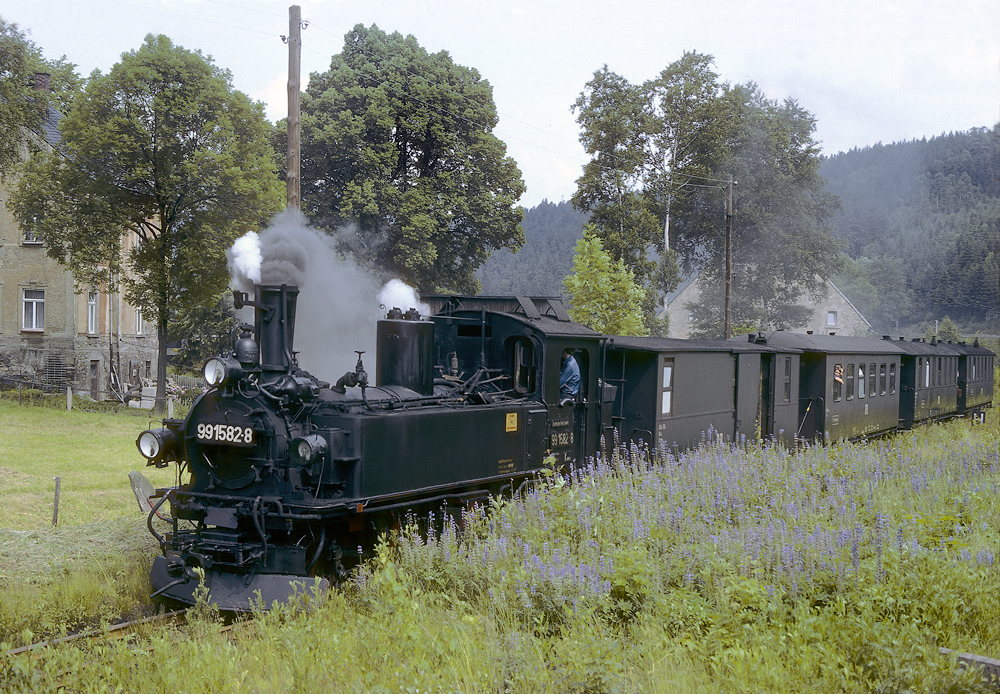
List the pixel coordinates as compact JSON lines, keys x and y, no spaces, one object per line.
{"x":398,"y":143}
{"x":603,"y":293}
{"x":782,"y":245}
{"x":162,"y":164}
{"x":651,"y":145}
{"x":22,"y":107}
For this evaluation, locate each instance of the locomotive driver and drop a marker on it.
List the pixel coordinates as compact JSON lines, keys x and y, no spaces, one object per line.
{"x":569,"y":377}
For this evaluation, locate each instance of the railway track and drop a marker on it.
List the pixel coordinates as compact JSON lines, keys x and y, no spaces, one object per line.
{"x":118,"y":631}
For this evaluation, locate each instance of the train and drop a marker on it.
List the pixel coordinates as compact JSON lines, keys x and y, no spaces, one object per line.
{"x":283,"y":479}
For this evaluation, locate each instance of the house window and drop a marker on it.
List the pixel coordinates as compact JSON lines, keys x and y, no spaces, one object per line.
{"x":34,"y":310}
{"x":667,"y":387}
{"x":92,"y":312}
{"x":29,"y":239}
{"x":831,"y":319}
{"x":140,"y":324}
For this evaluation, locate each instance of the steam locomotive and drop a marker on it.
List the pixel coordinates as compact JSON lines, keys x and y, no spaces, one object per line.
{"x":283,"y":478}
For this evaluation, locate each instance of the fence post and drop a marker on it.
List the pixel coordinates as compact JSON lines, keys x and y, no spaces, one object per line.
{"x":69,"y":398}
{"x":55,"y":504}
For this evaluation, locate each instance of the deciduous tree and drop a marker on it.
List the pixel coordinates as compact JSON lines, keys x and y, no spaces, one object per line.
{"x":22,"y":108}
{"x":399,"y":143}
{"x":603,"y":293}
{"x":661,"y":150}
{"x":163,"y":150}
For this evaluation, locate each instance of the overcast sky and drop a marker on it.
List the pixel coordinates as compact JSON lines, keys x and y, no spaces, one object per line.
{"x":869,"y":71}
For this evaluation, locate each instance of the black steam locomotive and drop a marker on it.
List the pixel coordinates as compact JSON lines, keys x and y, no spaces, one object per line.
{"x":283,"y":477}
{"x":286,"y":475}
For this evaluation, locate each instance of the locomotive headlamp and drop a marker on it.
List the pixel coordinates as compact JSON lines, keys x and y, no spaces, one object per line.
{"x":156,"y":445}
{"x":308,"y":449}
{"x":220,"y":371}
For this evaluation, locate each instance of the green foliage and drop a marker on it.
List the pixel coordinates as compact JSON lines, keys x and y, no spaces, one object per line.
{"x":22,"y":108}
{"x":204,"y":331}
{"x":660,"y":151}
{"x":946,"y":331}
{"x":163,"y":159}
{"x":603,"y":293}
{"x":538,"y":268}
{"x":920,"y":220}
{"x":68,"y":579}
{"x":398,"y":144}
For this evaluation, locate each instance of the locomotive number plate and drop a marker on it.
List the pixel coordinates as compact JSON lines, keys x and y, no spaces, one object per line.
{"x":230,"y":434}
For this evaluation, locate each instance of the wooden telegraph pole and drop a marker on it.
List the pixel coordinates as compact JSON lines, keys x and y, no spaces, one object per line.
{"x":729,"y":257}
{"x":292,"y":183}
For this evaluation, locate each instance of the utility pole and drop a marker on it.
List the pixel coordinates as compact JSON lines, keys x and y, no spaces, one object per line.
{"x":729,"y":257}
{"x":292,"y":183}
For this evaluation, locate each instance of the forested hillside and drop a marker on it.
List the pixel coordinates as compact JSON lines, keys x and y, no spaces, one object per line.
{"x":921,"y":224}
{"x":550,"y":234}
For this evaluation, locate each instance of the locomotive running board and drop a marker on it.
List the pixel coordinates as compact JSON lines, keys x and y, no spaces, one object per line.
{"x":233,"y":592}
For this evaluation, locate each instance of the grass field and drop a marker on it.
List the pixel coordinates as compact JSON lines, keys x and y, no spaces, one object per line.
{"x":728,"y":569}
{"x":92,"y":453}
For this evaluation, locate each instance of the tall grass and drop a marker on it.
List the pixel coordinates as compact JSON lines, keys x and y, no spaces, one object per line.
{"x":733,"y":568}
{"x":94,"y":565}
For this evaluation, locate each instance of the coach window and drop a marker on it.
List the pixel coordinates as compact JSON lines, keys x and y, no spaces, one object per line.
{"x":850,"y":381}
{"x":881,"y":379}
{"x":34,"y":310}
{"x":927,"y":373}
{"x":787,"y":393}
{"x":939,"y":377}
{"x":872,"y":381}
{"x":667,"y":387}
{"x":892,"y":378}
{"x":861,"y":380}
{"x":838,"y":381}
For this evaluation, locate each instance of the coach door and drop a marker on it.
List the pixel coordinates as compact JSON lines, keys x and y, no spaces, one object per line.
{"x":765,"y":413}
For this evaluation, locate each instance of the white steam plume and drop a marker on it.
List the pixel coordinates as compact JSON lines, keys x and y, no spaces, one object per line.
{"x":243,"y":260}
{"x":338,"y":305}
{"x":398,"y":294}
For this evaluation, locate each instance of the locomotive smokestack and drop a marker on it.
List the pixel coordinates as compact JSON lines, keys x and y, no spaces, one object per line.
{"x":275,"y":325}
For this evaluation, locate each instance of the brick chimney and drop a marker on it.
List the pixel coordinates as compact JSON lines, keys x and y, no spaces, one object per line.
{"x":42,"y":81}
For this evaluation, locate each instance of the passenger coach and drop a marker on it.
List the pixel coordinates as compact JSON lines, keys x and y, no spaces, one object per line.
{"x":975,"y":378}
{"x":848,"y":386}
{"x":672,"y":391}
{"x":928,"y":382}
